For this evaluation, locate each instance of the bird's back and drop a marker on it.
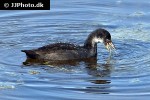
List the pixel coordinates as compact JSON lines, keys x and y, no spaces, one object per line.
{"x":58,"y":51}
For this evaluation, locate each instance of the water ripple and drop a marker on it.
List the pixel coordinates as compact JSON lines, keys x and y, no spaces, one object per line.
{"x":125,"y":75}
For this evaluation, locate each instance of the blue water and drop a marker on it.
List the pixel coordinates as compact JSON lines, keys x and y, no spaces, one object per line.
{"x":125,"y":76}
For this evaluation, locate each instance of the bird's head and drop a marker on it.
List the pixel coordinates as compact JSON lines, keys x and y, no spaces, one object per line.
{"x":103,"y":36}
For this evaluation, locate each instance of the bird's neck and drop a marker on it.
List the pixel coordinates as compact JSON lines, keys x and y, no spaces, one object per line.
{"x":91,"y":44}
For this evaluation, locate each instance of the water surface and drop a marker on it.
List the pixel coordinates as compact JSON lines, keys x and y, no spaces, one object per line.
{"x":125,"y":76}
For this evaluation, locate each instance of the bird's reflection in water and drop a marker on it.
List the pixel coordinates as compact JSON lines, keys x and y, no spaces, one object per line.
{"x":101,"y":77}
{"x":99,"y":72}
{"x":58,"y":63}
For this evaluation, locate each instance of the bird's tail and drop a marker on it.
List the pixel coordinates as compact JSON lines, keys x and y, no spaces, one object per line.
{"x":30,"y":54}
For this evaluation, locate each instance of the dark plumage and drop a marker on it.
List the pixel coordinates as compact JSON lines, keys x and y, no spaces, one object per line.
{"x":66,"y":51}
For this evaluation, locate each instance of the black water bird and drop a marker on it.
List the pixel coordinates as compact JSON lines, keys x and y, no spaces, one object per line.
{"x":67,"y":51}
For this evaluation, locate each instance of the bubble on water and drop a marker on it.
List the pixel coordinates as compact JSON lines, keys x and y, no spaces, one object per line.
{"x":135,"y":80}
{"x":137,"y":14}
{"x":34,"y":72}
{"x":11,"y":73}
{"x":119,"y":1}
{"x":6,"y":85}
